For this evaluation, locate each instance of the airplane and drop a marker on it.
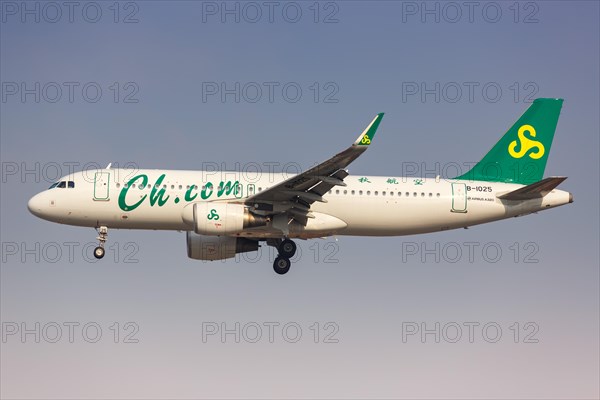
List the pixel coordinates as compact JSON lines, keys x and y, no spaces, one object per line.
{"x":231,"y":214}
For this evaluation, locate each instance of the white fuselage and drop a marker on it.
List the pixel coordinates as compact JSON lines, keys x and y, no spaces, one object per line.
{"x":368,"y":205}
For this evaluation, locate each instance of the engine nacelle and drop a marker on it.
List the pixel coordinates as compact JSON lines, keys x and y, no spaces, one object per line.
{"x":200,"y":247}
{"x":216,"y":219}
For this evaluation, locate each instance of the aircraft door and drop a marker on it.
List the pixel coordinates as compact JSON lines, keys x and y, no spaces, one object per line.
{"x":101,"y":186}
{"x":459,"y":197}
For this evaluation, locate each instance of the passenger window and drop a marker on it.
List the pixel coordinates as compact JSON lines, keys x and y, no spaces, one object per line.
{"x":368,"y":192}
{"x":353,"y":192}
{"x":345,"y":192}
{"x":71,"y":184}
{"x":118,"y":185}
{"x":360,"y":192}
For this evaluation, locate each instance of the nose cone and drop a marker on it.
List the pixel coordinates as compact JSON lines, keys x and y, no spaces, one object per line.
{"x":36,"y":205}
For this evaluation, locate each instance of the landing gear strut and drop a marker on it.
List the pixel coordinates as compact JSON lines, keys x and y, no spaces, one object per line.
{"x":102,"y":234}
{"x":287,"y":250}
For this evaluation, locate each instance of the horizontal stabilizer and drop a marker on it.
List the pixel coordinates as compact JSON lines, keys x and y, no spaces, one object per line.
{"x":535,"y":190}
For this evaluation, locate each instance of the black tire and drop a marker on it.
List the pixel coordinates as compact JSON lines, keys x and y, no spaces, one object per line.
{"x":99,"y":252}
{"x":287,"y":248}
{"x":282,"y":265}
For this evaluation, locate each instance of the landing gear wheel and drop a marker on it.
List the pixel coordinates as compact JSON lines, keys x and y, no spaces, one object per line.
{"x":287,"y":248}
{"x":102,"y":234}
{"x":99,"y":252}
{"x":282,"y":265}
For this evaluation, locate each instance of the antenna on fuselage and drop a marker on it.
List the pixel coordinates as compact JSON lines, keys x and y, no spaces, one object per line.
{"x":108,"y":166}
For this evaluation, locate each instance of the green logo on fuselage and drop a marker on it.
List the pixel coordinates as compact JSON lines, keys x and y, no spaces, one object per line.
{"x":158,"y":192}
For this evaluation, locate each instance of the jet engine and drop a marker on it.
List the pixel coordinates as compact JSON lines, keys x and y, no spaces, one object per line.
{"x":200,"y":247}
{"x":216,"y":219}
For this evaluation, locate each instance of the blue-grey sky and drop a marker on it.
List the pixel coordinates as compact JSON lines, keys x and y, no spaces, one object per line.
{"x":301,"y":81}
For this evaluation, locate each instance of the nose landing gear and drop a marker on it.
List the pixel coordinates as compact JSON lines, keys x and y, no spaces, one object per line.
{"x":287,"y":250}
{"x":102,"y":235}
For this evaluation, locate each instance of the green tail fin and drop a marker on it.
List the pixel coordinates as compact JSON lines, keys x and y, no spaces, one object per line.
{"x":520,"y":155}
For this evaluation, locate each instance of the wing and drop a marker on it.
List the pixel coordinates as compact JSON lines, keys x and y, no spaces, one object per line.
{"x":293,"y":197}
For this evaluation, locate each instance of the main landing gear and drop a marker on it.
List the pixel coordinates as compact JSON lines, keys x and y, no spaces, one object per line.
{"x":286,"y":249}
{"x":102,"y":234}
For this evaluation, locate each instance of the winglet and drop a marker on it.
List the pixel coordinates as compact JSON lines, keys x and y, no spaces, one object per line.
{"x":366,"y":137}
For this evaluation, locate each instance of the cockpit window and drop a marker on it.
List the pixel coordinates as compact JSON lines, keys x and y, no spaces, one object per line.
{"x":63,"y":184}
